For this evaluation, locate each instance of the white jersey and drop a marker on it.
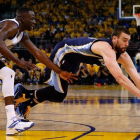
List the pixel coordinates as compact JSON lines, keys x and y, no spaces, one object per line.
{"x":16,"y":39}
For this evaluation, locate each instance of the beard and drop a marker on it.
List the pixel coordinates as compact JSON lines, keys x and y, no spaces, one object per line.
{"x":119,"y":49}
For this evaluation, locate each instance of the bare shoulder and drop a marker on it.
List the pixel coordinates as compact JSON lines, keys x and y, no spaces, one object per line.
{"x":8,"y":29}
{"x":9,"y":25}
{"x":101,"y":47}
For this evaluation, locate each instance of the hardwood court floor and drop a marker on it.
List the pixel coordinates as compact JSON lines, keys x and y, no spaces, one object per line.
{"x":88,"y":113}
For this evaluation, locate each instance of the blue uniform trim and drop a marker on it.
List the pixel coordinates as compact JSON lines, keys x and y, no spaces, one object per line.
{"x":12,"y":21}
{"x":23,"y":35}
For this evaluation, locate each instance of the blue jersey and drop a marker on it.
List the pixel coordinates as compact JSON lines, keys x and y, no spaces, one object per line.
{"x":68,"y":54}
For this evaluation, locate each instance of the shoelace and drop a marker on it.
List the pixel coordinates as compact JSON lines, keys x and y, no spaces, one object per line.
{"x":14,"y":118}
{"x":20,"y":100}
{"x":26,"y":114}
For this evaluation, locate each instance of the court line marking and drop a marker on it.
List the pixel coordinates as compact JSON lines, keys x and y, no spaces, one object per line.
{"x":92,"y":129}
{"x":85,"y":114}
{"x":95,"y":135}
{"x":54,"y":138}
{"x":137,"y":138}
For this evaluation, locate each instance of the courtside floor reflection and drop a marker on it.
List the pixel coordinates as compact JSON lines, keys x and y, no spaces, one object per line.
{"x":88,"y":113}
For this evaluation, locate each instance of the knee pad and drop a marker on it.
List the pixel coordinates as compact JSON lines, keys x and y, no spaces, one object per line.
{"x":7,"y":75}
{"x":6,"y":72}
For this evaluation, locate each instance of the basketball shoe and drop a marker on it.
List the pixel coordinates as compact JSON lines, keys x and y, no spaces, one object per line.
{"x":21,"y":109}
{"x":15,"y":126}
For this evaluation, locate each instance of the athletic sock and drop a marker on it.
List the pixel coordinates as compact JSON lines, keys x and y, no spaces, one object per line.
{"x":10,"y":111}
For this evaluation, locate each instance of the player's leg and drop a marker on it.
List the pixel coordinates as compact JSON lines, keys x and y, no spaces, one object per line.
{"x":13,"y":124}
{"x":50,"y":93}
{"x":34,"y":97}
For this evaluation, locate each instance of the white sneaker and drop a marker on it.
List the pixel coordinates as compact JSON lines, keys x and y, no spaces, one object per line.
{"x":15,"y":126}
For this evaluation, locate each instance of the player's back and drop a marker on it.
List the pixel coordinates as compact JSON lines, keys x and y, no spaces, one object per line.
{"x":76,"y":50}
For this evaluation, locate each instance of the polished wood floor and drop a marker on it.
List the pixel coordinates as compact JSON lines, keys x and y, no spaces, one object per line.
{"x":88,"y":113}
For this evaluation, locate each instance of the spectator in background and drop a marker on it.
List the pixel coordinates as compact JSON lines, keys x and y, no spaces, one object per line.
{"x":30,"y":61}
{"x":2,"y":8}
{"x":138,"y":32}
{"x":133,"y":32}
{"x":32,"y":38}
{"x":40,"y":48}
{"x":108,"y":31}
{"x":48,"y":46}
{"x":102,"y":76}
{"x":47,"y":52}
{"x":92,"y":73}
{"x":3,"y":60}
{"x":67,"y":36}
{"x":18,"y":76}
{"x":58,"y":36}
{"x":34,"y":77}
{"x":47,"y":37}
{"x":26,"y":74}
{"x":83,"y":74}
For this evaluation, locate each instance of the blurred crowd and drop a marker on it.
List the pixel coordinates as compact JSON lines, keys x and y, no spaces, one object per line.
{"x":58,"y":20}
{"x":26,"y":77}
{"x":87,"y":74}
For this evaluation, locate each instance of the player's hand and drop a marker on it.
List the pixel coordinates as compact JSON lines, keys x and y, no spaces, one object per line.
{"x":26,"y":65}
{"x":68,"y":76}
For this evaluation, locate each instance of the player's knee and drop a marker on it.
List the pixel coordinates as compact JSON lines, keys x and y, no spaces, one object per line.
{"x":50,"y":94}
{"x":6,"y":72}
{"x":60,"y":98}
{"x":11,"y":73}
{"x":7,"y":75}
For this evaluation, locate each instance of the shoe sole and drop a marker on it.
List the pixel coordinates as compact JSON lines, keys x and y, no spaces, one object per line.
{"x":19,"y":131}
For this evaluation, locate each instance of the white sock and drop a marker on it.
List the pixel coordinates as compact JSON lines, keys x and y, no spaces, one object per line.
{"x":10,"y":111}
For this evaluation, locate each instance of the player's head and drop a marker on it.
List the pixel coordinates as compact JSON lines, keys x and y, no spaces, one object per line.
{"x":26,"y":17}
{"x":120,"y":39}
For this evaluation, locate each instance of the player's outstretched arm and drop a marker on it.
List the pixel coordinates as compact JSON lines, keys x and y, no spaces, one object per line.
{"x":109,"y":57}
{"x":8,"y":30}
{"x":45,"y":60}
{"x":128,"y":64}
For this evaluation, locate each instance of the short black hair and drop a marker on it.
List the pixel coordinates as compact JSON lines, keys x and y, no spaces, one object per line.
{"x":118,"y":30}
{"x":23,"y":10}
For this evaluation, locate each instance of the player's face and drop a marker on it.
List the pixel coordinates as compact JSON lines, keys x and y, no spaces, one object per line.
{"x":122,"y":42}
{"x":30,"y":21}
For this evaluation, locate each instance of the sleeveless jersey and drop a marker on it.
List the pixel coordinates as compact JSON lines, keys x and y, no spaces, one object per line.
{"x":16,"y":39}
{"x":68,"y":54}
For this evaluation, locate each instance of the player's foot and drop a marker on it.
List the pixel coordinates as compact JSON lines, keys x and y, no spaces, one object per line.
{"x":23,"y":112}
{"x":15,"y":126}
{"x":21,"y":109}
{"x":19,"y":96}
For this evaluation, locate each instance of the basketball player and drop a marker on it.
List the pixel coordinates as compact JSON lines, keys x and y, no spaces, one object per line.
{"x":12,"y":32}
{"x":68,"y":54}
